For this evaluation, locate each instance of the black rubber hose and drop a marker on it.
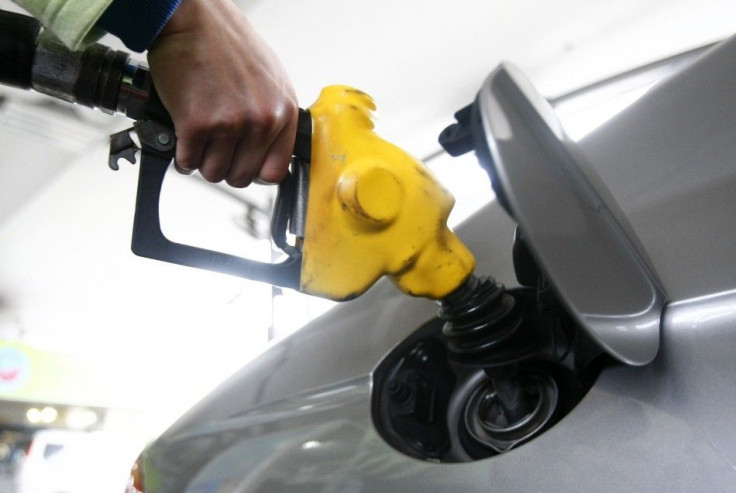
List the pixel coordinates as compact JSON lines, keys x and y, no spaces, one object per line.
{"x":18,"y":35}
{"x":92,"y":78}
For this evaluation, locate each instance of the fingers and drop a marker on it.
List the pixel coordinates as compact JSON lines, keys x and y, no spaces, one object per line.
{"x":239,"y":156}
{"x":273,"y":170}
{"x":217,"y":159}
{"x":189,"y":153}
{"x":245,"y":165}
{"x":183,"y":171}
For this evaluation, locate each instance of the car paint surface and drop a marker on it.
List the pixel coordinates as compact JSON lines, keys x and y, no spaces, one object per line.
{"x":299,"y":417}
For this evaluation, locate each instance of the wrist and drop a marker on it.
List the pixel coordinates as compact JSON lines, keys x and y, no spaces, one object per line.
{"x":184,"y":18}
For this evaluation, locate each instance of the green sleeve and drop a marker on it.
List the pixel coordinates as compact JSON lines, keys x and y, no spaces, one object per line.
{"x":72,"y":21}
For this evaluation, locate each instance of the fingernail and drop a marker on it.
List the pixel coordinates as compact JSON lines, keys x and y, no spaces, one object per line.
{"x":183,"y":171}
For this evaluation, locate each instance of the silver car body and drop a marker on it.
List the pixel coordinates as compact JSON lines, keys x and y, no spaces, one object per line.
{"x":299,"y":418}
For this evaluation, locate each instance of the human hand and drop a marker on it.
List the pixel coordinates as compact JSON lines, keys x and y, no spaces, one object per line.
{"x":232,"y":104}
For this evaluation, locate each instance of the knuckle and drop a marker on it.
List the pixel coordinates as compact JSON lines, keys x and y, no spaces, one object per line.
{"x":230,"y":124}
{"x":262,"y":122}
{"x":223,"y":124}
{"x":259,"y":119}
{"x":291,"y":108}
{"x":190,"y":129}
{"x":270,"y":119}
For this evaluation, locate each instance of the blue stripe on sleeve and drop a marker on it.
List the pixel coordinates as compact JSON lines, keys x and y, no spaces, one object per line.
{"x":137,"y":22}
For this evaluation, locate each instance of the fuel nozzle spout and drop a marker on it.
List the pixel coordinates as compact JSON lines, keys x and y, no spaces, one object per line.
{"x":487,"y":327}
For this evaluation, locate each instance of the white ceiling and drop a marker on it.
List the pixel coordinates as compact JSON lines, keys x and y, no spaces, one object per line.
{"x":423,"y":59}
{"x":67,"y":278}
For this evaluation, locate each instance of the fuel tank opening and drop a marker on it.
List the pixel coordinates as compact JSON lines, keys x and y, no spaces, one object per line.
{"x":496,"y":369}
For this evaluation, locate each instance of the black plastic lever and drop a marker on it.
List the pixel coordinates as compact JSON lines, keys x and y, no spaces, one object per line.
{"x":288,"y":215}
{"x":150,"y":242}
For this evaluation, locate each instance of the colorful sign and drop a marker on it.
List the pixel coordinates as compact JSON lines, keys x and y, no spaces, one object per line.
{"x":34,"y":375}
{"x":15,"y":368}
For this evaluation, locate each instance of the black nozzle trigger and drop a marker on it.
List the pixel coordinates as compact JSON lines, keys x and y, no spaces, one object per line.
{"x":149,"y":241}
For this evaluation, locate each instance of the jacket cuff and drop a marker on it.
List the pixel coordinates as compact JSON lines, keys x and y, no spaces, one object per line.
{"x":137,"y":22}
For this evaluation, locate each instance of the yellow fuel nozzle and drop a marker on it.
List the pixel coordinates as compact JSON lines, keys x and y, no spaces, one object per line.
{"x":373,"y":210}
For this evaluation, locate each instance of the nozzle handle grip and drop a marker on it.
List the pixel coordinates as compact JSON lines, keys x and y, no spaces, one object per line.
{"x":100,"y":77}
{"x":149,"y":241}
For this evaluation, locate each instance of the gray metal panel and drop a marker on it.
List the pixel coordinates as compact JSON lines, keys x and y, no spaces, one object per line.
{"x":298,"y":418}
{"x":670,"y":161}
{"x":663,"y":427}
{"x":571,"y":230}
